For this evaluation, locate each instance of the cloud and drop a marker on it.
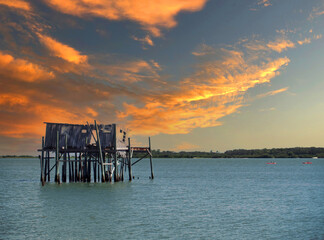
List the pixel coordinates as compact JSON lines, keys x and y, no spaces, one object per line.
{"x":215,"y":90}
{"x":133,"y":71}
{"x":271,"y":93}
{"x":203,"y":49}
{"x":62,"y":50}
{"x":24,"y":108}
{"x":145,"y":40}
{"x":305,"y":41}
{"x":317,"y":36}
{"x":22,"y":69}
{"x":260,"y":4}
{"x":280,"y":44}
{"x":264,"y":3}
{"x":185,"y":146}
{"x":309,"y":39}
{"x":17,"y":4}
{"x":267,"y":109}
{"x":151,"y":15}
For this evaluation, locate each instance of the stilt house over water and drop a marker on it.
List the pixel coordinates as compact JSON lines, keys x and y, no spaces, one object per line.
{"x":88,"y":152}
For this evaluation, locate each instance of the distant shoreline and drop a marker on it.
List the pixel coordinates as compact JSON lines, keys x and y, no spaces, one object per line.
{"x":18,"y":156}
{"x":297,"y":152}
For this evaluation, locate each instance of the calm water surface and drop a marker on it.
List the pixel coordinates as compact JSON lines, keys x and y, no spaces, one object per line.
{"x":188,"y":199}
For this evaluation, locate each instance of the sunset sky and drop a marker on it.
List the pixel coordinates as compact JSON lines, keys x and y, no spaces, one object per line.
{"x":192,"y":74}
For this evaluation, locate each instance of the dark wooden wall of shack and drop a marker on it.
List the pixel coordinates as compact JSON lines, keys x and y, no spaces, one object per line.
{"x":106,"y":134}
{"x":78,"y":136}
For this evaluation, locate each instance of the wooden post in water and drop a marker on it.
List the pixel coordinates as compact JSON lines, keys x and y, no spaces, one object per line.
{"x":104,"y":166}
{"x":70,"y":168}
{"x":98,"y":168}
{"x":80,"y":168}
{"x":116,"y":177}
{"x":85,"y":168}
{"x":129,"y":161}
{"x":76,"y":167}
{"x":45,"y":167}
{"x":122,"y":170}
{"x":65,"y":161}
{"x":89,"y":169}
{"x":151,"y":164}
{"x":48,"y":166}
{"x":42,"y":163}
{"x":109,"y":169}
{"x":95,"y":170}
{"x":57,"y":176}
{"x":100,"y":153}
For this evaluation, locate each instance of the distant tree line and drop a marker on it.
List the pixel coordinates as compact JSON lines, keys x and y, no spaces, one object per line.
{"x":17,"y":156}
{"x":297,"y":152}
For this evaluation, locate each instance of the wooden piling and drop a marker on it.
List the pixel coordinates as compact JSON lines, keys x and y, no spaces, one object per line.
{"x":42,"y":163}
{"x":76,"y":167}
{"x":100,"y":153}
{"x":70,"y":168}
{"x":151,"y":164}
{"x":116,"y":177}
{"x":48,"y":167}
{"x":95,"y":170}
{"x":57,"y":176}
{"x":80,"y":167}
{"x":84,"y":178}
{"x":45,"y":167}
{"x":64,"y":166}
{"x":98,"y":170}
{"x":89,"y":169}
{"x":129,"y":161}
{"x":122,"y":170}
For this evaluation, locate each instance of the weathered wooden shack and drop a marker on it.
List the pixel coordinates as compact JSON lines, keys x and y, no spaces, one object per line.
{"x":88,"y":153}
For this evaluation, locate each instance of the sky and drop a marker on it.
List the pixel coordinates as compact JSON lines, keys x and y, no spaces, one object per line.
{"x":194,"y":75}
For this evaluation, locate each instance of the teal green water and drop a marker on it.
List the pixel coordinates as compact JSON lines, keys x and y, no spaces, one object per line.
{"x":188,"y":199}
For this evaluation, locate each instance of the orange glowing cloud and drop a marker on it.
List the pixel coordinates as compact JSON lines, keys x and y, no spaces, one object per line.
{"x":134,"y":71}
{"x":280,"y":44}
{"x":145,"y":40}
{"x":22,"y":69}
{"x":18,"y":4}
{"x":305,"y":41}
{"x":152,"y":15}
{"x":264,"y":3}
{"x":13,"y":99}
{"x":214,"y":91}
{"x":61,"y":50}
{"x":22,"y":116}
{"x":271,"y":93}
{"x":33,"y":114}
